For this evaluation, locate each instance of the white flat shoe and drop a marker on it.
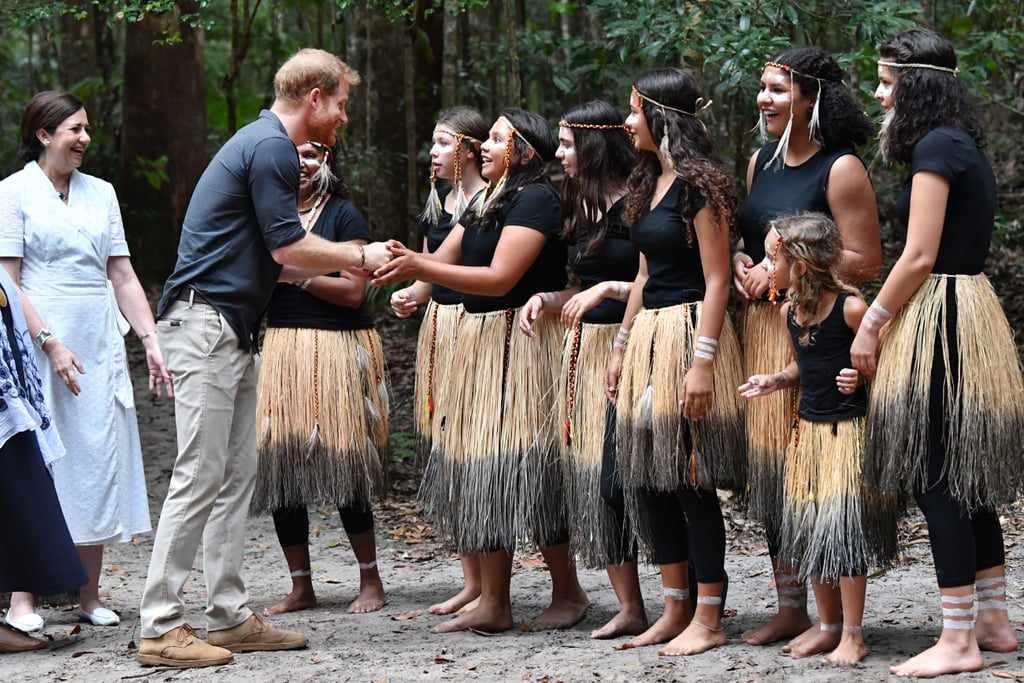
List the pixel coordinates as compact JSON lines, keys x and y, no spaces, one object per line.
{"x":27,"y":623}
{"x":101,"y":617}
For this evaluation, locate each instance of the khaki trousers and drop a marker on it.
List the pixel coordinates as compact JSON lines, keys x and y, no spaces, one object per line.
{"x":213,"y":476}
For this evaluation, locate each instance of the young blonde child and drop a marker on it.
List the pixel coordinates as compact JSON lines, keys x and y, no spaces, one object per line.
{"x":826,"y":528}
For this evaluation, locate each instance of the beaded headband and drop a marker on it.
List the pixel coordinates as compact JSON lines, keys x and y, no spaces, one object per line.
{"x":594,"y":126}
{"x":908,"y":65}
{"x":320,"y":147}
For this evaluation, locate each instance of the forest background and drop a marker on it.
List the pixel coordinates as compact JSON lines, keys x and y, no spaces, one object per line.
{"x":166,"y":82}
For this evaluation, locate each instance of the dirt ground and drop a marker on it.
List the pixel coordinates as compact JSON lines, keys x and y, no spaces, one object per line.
{"x":395,"y":644}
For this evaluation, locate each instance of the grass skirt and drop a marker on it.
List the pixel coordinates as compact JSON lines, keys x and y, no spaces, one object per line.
{"x":833,"y":525}
{"x":658,"y":449}
{"x":767,"y":349}
{"x":955,"y":323}
{"x":583,"y":413}
{"x":322,"y":401}
{"x":494,"y":472}
{"x":433,"y":358}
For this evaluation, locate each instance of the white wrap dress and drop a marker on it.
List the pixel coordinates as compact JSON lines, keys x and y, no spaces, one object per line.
{"x":64,"y":251}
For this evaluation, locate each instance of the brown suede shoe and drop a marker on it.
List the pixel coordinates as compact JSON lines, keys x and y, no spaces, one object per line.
{"x":13,"y":640}
{"x":256,"y":634}
{"x":181,"y":647}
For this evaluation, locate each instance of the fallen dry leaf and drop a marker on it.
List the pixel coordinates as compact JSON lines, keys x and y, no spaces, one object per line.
{"x":407,"y":615}
{"x":443,"y":660}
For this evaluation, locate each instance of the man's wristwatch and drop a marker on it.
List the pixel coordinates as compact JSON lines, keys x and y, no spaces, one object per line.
{"x":41,"y":338}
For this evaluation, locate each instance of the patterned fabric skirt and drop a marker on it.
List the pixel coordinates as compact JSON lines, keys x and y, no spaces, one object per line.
{"x":949,"y":355}
{"x":322,"y":400}
{"x":494,"y":474}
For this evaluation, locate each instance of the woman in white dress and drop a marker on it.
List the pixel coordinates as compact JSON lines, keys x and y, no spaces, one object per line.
{"x":63,"y":243}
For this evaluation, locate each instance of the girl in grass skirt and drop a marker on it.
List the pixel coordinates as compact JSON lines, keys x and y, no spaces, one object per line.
{"x":677,"y":439}
{"x":811,"y":165}
{"x":498,"y":474}
{"x":322,"y":394}
{"x":597,"y":157}
{"x":946,"y":420}
{"x":454,"y":156}
{"x":830,"y":524}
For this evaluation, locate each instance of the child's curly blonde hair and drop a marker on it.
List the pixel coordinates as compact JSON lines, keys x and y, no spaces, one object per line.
{"x":812,"y":239}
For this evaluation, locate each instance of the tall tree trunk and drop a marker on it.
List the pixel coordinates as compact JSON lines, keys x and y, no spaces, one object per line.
{"x":241,"y":35}
{"x":514,"y":79}
{"x":450,"y":59}
{"x":163,"y":138}
{"x":376,"y":163}
{"x":411,"y":143}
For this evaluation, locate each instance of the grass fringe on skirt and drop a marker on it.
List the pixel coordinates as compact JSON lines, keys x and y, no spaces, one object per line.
{"x":583,"y":414}
{"x":767,"y":349}
{"x":322,"y":401}
{"x":954,"y":321}
{"x":657,"y":448}
{"x":434,"y":348}
{"x":494,"y":474}
{"x":832,"y":524}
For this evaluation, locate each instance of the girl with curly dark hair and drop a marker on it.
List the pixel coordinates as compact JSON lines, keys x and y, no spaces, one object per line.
{"x":811,"y":166}
{"x":597,"y":157}
{"x":498,"y":476}
{"x":676,"y":438}
{"x":945,"y":419}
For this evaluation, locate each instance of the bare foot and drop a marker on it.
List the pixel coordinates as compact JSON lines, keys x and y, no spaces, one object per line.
{"x":813,"y":641}
{"x":469,"y":606}
{"x":293,"y":602}
{"x":370,"y":599}
{"x":851,"y":650}
{"x":788,"y":623}
{"x":486,"y":617}
{"x":561,"y":613}
{"x":994,"y":631}
{"x":663,"y":630}
{"x":630,"y":621}
{"x":457,"y":602}
{"x":941,"y":658}
{"x":695,"y":639}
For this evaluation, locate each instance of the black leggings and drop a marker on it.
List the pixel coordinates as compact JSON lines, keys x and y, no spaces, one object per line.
{"x":292,"y":524}
{"x":611,"y":491}
{"x":678,"y":518}
{"x":962,"y":542}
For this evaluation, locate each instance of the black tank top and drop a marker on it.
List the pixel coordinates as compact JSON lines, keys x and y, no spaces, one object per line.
{"x":777,"y":191}
{"x":819,"y":363}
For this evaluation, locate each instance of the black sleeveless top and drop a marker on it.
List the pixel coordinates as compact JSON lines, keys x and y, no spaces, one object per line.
{"x":614,"y":258}
{"x":435,"y":236}
{"x":819,"y":363}
{"x":777,"y":191}
{"x":674,"y":269}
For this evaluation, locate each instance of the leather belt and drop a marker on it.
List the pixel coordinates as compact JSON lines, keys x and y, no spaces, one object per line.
{"x":186,"y":292}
